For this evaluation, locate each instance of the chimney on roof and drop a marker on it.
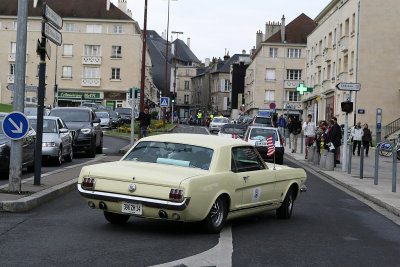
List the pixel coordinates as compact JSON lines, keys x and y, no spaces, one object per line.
{"x":108,"y":5}
{"x":283,"y":30}
{"x":123,"y":6}
{"x":227,"y":57}
{"x":259,"y":38}
{"x":271,"y":28}
{"x":243,"y":51}
{"x":188,"y":42}
{"x":207,"y":62}
{"x":172,"y":48}
{"x":163,"y":35}
{"x":129,"y":13}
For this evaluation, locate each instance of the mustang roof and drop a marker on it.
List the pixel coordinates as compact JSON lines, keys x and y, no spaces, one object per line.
{"x":210,"y":141}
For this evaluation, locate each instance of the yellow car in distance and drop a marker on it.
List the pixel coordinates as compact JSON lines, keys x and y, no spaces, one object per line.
{"x":190,"y":178}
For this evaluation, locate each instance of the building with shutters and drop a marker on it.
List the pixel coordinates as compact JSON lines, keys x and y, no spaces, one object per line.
{"x":98,"y":61}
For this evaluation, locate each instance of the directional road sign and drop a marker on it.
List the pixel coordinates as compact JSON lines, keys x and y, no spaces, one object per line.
{"x":30,"y":88}
{"x":15,"y":125}
{"x":348,"y":86}
{"x":52,"y":17}
{"x":164,"y":102}
{"x":51,"y":33}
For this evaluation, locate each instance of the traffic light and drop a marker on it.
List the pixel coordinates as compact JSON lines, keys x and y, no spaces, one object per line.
{"x":347,"y":106}
{"x":173,"y":100}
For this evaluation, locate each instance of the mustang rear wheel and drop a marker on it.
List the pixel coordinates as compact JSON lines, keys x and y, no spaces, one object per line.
{"x":285,"y":210}
{"x":116,"y":218}
{"x":215,"y":220}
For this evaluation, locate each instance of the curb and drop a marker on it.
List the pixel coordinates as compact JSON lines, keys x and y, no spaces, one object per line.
{"x":30,"y":202}
{"x":373,"y":199}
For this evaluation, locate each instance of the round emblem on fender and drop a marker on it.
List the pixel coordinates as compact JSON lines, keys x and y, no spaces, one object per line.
{"x":132,"y":187}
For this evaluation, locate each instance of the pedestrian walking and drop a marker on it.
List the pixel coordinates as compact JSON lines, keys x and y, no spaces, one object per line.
{"x":338,"y":137}
{"x":294,"y":129}
{"x":309,"y":132}
{"x":281,"y":125}
{"x":334,"y":139}
{"x":145,"y":119}
{"x":357,"y":134}
{"x":366,"y":139}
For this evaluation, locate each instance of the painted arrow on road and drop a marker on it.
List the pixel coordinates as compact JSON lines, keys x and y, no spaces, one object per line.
{"x":18,"y":129}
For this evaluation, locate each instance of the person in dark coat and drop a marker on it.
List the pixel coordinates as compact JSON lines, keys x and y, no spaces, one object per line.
{"x":294,"y":128}
{"x":145,"y":119}
{"x":366,"y":138}
{"x":334,"y":138}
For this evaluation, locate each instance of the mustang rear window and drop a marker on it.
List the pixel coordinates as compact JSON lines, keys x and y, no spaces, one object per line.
{"x":172,"y":154}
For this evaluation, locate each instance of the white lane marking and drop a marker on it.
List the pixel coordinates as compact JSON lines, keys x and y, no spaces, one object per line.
{"x":208,"y":132}
{"x":220,"y":255}
{"x":105,"y":148}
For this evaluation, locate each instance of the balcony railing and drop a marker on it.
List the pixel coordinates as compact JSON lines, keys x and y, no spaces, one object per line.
{"x":318,"y":60}
{"x":327,"y":54}
{"x":91,"y":60}
{"x":290,"y":84}
{"x":91,"y":82}
{"x":342,"y":77}
{"x":326,"y":84}
{"x":344,"y":44}
{"x":10,"y":78}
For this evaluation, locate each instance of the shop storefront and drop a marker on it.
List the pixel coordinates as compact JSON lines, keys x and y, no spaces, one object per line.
{"x":114,"y":100}
{"x":75,"y":98}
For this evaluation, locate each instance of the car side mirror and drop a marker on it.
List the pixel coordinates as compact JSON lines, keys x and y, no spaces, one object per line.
{"x":63,"y":130}
{"x":97,"y":120}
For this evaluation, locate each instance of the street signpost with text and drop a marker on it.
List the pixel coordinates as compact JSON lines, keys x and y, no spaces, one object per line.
{"x":51,"y":21}
{"x":348,"y":86}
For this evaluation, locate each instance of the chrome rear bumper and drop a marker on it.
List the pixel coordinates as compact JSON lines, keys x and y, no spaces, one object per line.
{"x":148,"y":202}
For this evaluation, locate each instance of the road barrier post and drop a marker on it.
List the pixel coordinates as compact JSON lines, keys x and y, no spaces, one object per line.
{"x":394,"y":173}
{"x":362,"y":163}
{"x":376,"y":167}
{"x":302,"y":142}
{"x":350,"y":158}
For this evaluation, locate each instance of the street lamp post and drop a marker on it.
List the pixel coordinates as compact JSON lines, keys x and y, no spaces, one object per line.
{"x":175,"y":61}
{"x":143,"y":57}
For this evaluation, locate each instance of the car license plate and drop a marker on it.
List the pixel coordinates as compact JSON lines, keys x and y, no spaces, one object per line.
{"x":261,"y":143}
{"x":132,"y":208}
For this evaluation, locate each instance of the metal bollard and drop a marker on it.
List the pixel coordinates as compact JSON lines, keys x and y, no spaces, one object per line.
{"x":290,"y":141}
{"x":302,"y":142}
{"x":394,"y":173}
{"x":322,"y":161}
{"x":316,"y":156}
{"x":376,"y":167}
{"x":350,"y":157}
{"x":310,"y":153}
{"x":330,"y":164}
{"x":362,"y":163}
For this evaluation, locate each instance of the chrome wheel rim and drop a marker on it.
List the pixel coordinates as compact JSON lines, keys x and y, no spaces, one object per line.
{"x":71,"y":154}
{"x":290,"y":204}
{"x":217,"y":213}
{"x":59,"y":156}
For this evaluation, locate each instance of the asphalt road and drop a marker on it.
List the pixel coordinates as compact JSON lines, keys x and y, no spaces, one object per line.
{"x":111,"y":147}
{"x":328,"y":228}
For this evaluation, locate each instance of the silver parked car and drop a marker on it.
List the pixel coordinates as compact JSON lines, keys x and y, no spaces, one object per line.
{"x":57,"y":140}
{"x":104,"y":117}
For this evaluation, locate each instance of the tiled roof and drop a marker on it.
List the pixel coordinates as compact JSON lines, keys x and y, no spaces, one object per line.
{"x":184,"y":52}
{"x":85,"y":9}
{"x":296,"y":32}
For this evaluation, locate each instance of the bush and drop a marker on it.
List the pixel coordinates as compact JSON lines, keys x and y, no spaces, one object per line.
{"x":154,"y":114}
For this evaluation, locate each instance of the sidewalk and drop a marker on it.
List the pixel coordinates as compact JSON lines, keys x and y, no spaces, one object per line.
{"x":53,"y":185}
{"x":380,"y":194}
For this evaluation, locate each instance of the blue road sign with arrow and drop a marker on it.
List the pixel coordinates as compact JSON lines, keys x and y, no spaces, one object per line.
{"x":164,"y":102}
{"x":15,"y":125}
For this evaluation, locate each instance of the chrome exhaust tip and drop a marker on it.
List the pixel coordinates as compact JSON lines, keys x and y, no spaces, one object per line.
{"x":163,"y":214}
{"x":102,"y":205}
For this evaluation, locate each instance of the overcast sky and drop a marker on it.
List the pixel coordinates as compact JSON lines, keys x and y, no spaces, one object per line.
{"x":216,"y":25}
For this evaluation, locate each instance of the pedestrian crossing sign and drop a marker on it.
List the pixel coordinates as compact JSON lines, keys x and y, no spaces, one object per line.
{"x":164,"y":103}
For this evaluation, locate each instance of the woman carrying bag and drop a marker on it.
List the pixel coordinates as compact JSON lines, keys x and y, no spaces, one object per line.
{"x":366,"y":138}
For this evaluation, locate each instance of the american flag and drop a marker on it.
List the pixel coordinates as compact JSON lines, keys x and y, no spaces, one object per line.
{"x":271,"y":145}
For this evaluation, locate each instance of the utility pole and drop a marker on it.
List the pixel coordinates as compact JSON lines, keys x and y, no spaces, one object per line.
{"x":55,"y":81}
{"x":143,"y":58}
{"x":166,"y":66}
{"x":175,"y":62}
{"x":14,"y":184}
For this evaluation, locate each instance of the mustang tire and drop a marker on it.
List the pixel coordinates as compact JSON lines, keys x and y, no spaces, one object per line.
{"x":215,"y":220}
{"x":285,"y":210}
{"x":116,"y":218}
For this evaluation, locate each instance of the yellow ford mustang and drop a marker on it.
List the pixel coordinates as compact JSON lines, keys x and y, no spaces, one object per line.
{"x":188,"y":177}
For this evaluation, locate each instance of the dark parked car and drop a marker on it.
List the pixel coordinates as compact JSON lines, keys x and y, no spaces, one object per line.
{"x":84,"y":127}
{"x":115,"y":119}
{"x":126,"y":114}
{"x":263,"y":121}
{"x":28,"y":150}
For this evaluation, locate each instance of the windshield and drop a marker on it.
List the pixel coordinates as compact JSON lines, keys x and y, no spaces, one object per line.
{"x":263,"y":120}
{"x":172,"y":154}
{"x":30,"y":111}
{"x":260,"y":134}
{"x":221,"y":120}
{"x":71,"y":115}
{"x":113,"y":114}
{"x":102,"y":114}
{"x":232,"y":130}
{"x":124,"y":110}
{"x":49,"y":126}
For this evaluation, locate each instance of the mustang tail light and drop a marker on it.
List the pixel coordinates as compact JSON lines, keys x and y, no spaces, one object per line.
{"x":176,"y":194}
{"x":88,"y":183}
